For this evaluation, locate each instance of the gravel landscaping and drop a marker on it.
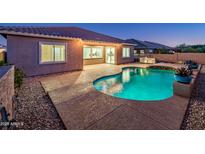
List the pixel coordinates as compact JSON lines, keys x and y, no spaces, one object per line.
{"x":34,"y":110}
{"x":195,"y":115}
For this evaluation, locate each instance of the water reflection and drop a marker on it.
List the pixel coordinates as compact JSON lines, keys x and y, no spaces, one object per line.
{"x":115,"y":88}
{"x":143,"y":72}
{"x":138,"y":84}
{"x":114,"y":84}
{"x":126,"y":75}
{"x":128,"y":72}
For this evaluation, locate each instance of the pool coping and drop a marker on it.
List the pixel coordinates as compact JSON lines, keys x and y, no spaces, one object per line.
{"x":180,"y":103}
{"x":145,"y":101}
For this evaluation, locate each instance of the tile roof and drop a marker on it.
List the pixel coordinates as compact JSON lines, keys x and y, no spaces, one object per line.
{"x":158,"y":45}
{"x":138,"y":44}
{"x":67,"y":32}
{"x":141,"y":44}
{"x":146,"y":44}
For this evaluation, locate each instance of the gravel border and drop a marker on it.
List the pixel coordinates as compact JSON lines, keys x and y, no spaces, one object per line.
{"x":194,"y":118}
{"x":34,"y":109}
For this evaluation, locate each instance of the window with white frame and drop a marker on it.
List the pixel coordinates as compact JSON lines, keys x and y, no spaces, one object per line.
{"x":52,"y":52}
{"x":125,"y":52}
{"x":94,"y":52}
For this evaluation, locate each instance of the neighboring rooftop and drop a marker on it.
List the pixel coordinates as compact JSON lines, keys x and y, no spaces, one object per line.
{"x":146,"y":44}
{"x":64,"y":32}
{"x":158,"y":45}
{"x":2,"y":46}
{"x":139,"y":44}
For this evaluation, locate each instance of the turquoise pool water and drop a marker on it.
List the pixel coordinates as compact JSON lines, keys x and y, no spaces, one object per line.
{"x":143,"y":84}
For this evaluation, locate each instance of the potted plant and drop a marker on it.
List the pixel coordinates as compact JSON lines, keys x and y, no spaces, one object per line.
{"x":183,"y":75}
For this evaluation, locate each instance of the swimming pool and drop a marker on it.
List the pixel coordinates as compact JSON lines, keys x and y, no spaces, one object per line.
{"x":144,"y":84}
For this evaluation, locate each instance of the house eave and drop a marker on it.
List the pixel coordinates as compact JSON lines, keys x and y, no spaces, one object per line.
{"x":129,"y":44}
{"x":37,"y":35}
{"x":52,"y":37}
{"x":93,"y":41}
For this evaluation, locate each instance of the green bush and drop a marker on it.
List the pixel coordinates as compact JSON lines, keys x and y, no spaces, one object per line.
{"x":1,"y":63}
{"x":18,"y":77}
{"x":191,"y":48}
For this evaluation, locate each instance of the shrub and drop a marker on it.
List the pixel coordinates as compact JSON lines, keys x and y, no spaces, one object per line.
{"x":18,"y":77}
{"x":1,"y":63}
{"x":183,"y":71}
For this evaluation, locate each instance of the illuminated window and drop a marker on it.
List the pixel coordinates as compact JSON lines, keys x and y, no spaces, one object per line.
{"x":92,"y":52}
{"x":52,"y":53}
{"x":141,"y":51}
{"x":125,"y":52}
{"x":86,"y":52}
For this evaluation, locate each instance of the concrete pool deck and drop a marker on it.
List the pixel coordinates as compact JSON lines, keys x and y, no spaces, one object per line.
{"x":80,"y":106}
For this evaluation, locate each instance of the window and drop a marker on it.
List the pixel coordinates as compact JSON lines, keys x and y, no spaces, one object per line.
{"x":125,"y":52}
{"x":141,"y":51}
{"x":52,"y":53}
{"x":86,"y":52}
{"x":92,"y":52}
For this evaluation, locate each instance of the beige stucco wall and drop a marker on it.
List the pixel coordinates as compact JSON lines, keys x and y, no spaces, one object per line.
{"x":165,"y":57}
{"x":198,"y":57}
{"x":7,"y":88}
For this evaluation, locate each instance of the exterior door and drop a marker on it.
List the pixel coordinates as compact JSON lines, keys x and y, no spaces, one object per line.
{"x":110,"y":55}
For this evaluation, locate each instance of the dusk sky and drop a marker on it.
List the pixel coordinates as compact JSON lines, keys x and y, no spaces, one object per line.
{"x":168,"y":34}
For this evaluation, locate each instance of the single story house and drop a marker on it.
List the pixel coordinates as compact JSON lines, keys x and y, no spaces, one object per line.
{"x":143,"y":47}
{"x":45,"y":50}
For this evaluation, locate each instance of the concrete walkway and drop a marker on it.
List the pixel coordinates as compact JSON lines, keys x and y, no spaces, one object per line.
{"x":82,"y":107}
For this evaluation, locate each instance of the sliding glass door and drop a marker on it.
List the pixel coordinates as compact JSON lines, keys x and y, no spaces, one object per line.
{"x":110,"y":55}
